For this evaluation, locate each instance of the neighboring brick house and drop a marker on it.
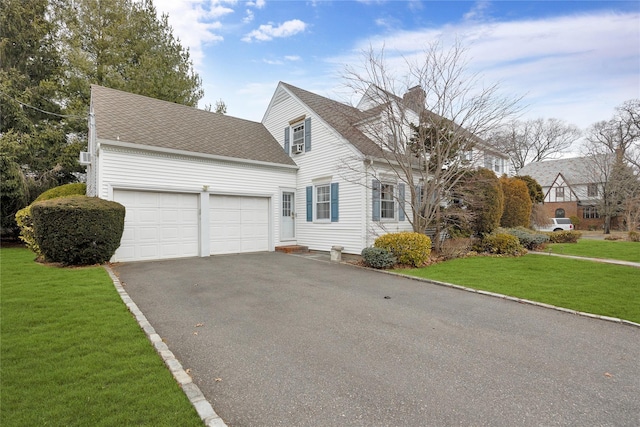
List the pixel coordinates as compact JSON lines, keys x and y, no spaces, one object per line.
{"x":571,"y":188}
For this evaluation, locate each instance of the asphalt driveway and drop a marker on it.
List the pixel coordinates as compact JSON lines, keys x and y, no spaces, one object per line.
{"x":281,"y":340}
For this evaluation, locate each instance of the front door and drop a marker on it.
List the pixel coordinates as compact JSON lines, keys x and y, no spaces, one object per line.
{"x":288,"y":216}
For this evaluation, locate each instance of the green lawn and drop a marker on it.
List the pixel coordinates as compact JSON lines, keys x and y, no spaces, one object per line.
{"x":586,"y":286}
{"x":611,"y":249}
{"x":72,"y":354}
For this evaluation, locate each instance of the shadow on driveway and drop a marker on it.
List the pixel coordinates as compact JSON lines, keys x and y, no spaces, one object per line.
{"x":280,"y":340}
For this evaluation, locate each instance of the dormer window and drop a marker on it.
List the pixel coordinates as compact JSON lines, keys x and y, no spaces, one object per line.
{"x":297,"y":137}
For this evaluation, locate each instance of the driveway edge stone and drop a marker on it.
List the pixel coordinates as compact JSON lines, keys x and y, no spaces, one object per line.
{"x":496,"y":295}
{"x":515,"y":299}
{"x":192,"y":391}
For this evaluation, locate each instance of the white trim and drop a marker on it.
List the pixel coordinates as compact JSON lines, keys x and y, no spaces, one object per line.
{"x":193,"y":154}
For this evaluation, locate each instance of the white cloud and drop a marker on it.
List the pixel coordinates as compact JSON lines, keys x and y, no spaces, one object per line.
{"x":575,"y":67}
{"x":195,"y":23}
{"x":292,"y":58}
{"x":248,"y":17}
{"x":258,"y":4}
{"x":269,"y":32}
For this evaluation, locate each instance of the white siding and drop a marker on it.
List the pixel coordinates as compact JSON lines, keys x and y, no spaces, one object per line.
{"x":330,"y":157}
{"x":125,"y":168}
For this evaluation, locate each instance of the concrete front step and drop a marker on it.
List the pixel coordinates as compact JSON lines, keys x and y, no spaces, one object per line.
{"x":292,"y":249}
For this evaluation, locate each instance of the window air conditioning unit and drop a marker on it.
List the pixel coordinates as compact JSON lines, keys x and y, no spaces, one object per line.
{"x":85,"y":158}
{"x":297,"y":148}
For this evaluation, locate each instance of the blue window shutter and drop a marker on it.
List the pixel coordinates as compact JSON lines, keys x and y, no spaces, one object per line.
{"x":307,"y":134}
{"x":375,"y":197}
{"x":401,"y":201}
{"x":309,"y":203}
{"x":286,"y":141}
{"x":334,"y":202}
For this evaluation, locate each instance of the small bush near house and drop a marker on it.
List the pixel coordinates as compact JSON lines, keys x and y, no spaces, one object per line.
{"x":612,"y":237}
{"x":501,"y":244}
{"x":564,"y":236}
{"x":634,"y":236}
{"x":575,"y":221}
{"x":409,"y":248}
{"x":78,"y":230}
{"x":528,"y":238}
{"x":25,"y":221}
{"x":454,"y":248}
{"x":378,"y":258}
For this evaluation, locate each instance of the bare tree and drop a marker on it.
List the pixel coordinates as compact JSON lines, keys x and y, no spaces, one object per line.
{"x":433,"y":133}
{"x":535,"y":140}
{"x":614,"y":146}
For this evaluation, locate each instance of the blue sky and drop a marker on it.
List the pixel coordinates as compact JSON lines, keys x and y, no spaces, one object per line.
{"x":571,"y":60}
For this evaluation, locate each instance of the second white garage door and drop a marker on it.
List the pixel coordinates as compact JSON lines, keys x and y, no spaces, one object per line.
{"x":238,"y":224}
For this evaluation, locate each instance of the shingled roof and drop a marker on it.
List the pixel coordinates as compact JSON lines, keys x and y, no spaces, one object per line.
{"x":576,"y":170}
{"x":341,"y":117}
{"x":126,"y":117}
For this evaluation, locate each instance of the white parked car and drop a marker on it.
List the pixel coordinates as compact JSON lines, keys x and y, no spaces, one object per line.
{"x":557,"y":224}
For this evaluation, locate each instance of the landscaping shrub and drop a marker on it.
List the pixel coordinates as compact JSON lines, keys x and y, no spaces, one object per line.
{"x":454,"y":248}
{"x":564,"y":236}
{"x":78,"y":230}
{"x":634,"y":236}
{"x":408,"y":248}
{"x":575,"y":221}
{"x":528,"y":238}
{"x":74,"y":189}
{"x":378,"y":258}
{"x":612,"y":237}
{"x":517,"y":203}
{"x":501,"y":244}
{"x":25,"y":221}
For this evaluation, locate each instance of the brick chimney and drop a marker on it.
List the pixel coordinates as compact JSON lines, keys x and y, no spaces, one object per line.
{"x":415,"y":99}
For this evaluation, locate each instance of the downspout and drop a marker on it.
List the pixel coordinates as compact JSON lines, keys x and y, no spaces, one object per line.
{"x":92,"y":168}
{"x":367,"y":208}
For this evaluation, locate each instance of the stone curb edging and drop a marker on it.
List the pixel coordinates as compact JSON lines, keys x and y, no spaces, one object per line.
{"x":495,"y":295}
{"x":520,"y":300}
{"x":191,"y":390}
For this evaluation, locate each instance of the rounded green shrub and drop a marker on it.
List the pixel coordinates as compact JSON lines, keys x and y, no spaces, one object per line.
{"x":78,"y":230}
{"x":407,"y":247}
{"x":501,"y":244}
{"x":378,"y":258}
{"x":528,"y":238}
{"x":25,"y":221}
{"x":73,"y":189}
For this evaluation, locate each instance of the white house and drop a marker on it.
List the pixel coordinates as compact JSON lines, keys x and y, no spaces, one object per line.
{"x":197,"y":183}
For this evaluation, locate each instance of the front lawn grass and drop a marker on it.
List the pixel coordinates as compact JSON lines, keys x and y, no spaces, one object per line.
{"x":72,"y":354}
{"x":586,"y":286}
{"x":609,"y":249}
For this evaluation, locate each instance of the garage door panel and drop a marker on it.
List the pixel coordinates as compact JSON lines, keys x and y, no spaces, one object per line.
{"x":158,"y":225}
{"x":238,"y":224}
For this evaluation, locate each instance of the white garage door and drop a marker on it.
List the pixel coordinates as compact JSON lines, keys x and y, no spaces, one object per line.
{"x":238,"y":224}
{"x":158,"y":225}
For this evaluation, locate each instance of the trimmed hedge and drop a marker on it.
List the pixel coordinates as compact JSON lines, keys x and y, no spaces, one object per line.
{"x":378,"y":258}
{"x":25,"y":221}
{"x":634,"y":236}
{"x":407,"y":247}
{"x":564,"y":236}
{"x":78,"y":230}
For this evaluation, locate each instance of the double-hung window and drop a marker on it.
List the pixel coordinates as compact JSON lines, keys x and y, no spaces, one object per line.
{"x":297,"y":137}
{"x":323,"y":202}
{"x":387,"y":202}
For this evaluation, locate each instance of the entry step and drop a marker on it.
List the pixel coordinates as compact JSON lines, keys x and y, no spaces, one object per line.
{"x":293,"y":249}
